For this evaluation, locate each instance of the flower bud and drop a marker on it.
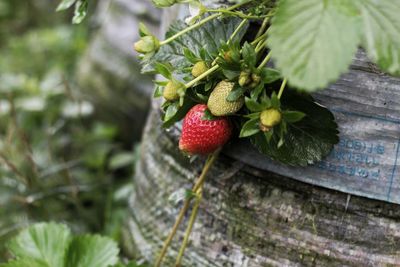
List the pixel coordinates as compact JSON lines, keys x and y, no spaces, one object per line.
{"x":164,"y":3}
{"x":269,"y":118}
{"x":147,"y":44}
{"x":255,"y":80}
{"x":199,"y":68}
{"x":244,"y":78}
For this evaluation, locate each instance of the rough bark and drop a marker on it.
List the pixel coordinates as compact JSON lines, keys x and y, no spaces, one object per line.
{"x":109,"y":73}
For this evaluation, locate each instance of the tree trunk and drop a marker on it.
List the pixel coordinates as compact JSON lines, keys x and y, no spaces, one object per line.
{"x":250,"y":216}
{"x":109,"y":73}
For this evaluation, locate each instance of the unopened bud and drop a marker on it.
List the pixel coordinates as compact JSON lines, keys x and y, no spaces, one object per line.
{"x":244,"y":78}
{"x":147,"y":44}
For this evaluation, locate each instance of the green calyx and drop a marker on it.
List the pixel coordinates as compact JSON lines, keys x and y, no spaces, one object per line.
{"x":269,"y":118}
{"x":147,"y":44}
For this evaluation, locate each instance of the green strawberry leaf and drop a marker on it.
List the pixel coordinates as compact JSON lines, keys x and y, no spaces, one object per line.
{"x":381,"y":32}
{"x":65,"y":4}
{"x":180,"y":113}
{"x":205,"y":39}
{"x":143,"y":30}
{"x":253,"y":105}
{"x":270,"y":75}
{"x":250,"y":127}
{"x":92,"y":250}
{"x":314,"y":41}
{"x":249,"y":55}
{"x":293,"y":116}
{"x":80,"y":11}
{"x":25,"y":263}
{"x":236,"y":93}
{"x":164,"y":69}
{"x":306,"y":141}
{"x":44,"y":243}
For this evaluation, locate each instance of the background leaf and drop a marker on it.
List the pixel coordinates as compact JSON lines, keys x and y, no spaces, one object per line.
{"x":24,"y":263}
{"x":306,"y":141}
{"x":209,"y":36}
{"x":381,"y":32}
{"x":313,"y":41}
{"x":43,"y":242}
{"x":80,"y":11}
{"x":92,"y":250}
{"x":65,"y":4}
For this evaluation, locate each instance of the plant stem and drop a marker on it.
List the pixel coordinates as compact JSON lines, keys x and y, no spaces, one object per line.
{"x":171,"y":235}
{"x":258,"y":39}
{"x":282,"y":88}
{"x":262,"y":28}
{"x":237,"y":14}
{"x":185,"y":207}
{"x":205,"y":74}
{"x":198,"y":24}
{"x":239,"y":27}
{"x":189,"y":227}
{"x":265,"y":61}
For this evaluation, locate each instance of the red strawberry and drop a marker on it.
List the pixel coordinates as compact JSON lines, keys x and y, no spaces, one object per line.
{"x":202,"y":136}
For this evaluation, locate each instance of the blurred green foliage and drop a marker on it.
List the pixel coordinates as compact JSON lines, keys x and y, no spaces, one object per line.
{"x":57,"y":162}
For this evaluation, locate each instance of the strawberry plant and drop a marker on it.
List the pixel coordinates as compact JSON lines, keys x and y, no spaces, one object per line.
{"x":53,"y":245}
{"x":253,"y":65}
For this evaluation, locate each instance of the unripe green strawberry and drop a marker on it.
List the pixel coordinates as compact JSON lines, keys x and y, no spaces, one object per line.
{"x":199,"y":68}
{"x":170,"y":92}
{"x":202,"y":136}
{"x":244,"y":78}
{"x":147,"y":44}
{"x":269,"y":118}
{"x":217,"y":103}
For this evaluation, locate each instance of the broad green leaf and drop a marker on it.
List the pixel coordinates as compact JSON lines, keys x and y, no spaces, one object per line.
{"x":164,"y":69}
{"x":25,"y":263}
{"x":249,"y":55}
{"x":65,"y":4}
{"x":253,"y":105}
{"x":121,"y":160}
{"x":171,"y":111}
{"x":250,"y":127}
{"x":270,"y":75}
{"x":381,"y":32}
{"x":180,"y":113}
{"x":207,"y":37}
{"x":92,"y":250}
{"x":293,"y":116}
{"x":43,"y":242}
{"x":313,"y":41}
{"x":306,"y":141}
